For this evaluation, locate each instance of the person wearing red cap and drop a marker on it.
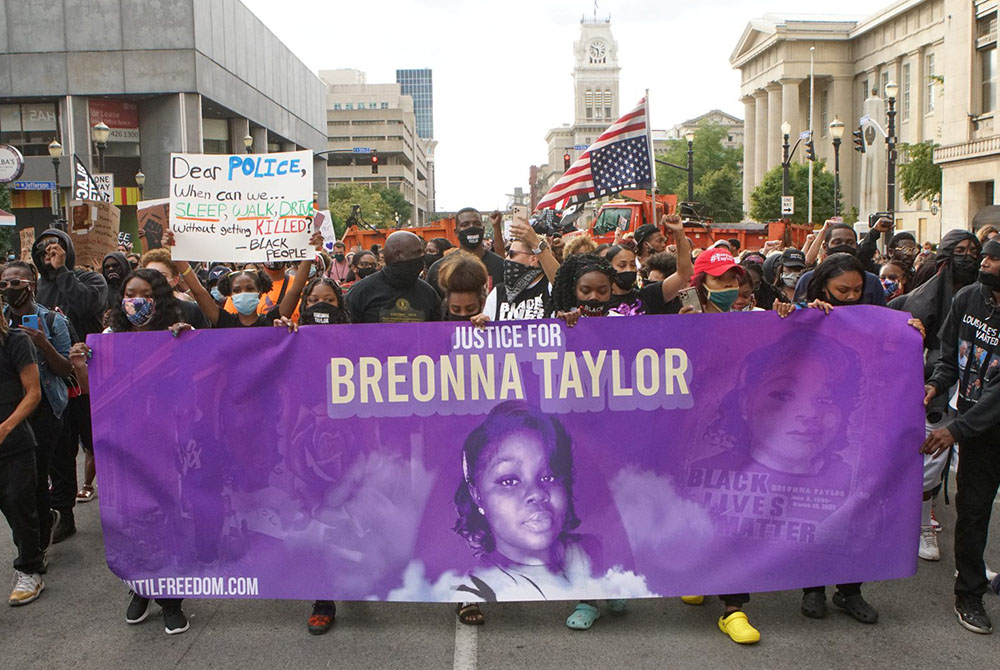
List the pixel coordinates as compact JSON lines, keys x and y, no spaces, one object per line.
{"x":716,"y":280}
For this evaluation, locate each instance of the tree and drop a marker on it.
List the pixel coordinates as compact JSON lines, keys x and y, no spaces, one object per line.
{"x":374,"y":210}
{"x":919,"y":177}
{"x":397,"y":202}
{"x":9,"y":239}
{"x":718,"y":192}
{"x":765,"y":200}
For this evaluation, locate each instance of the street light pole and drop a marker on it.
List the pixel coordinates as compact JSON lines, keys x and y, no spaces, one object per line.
{"x":56,"y":150}
{"x":690,"y":168}
{"x":248,"y":143}
{"x":891,"y":89}
{"x":140,"y":181}
{"x":786,"y":129}
{"x":100,"y":133}
{"x":837,"y":133}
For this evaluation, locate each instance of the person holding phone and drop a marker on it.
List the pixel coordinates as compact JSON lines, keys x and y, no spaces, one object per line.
{"x":49,"y":333}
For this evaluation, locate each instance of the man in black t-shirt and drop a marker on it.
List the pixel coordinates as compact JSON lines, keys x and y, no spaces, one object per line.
{"x":396,"y":294}
{"x":470,"y":231}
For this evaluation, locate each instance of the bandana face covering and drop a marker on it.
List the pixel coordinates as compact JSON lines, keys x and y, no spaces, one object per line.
{"x":517,"y":277}
{"x":139,"y":311}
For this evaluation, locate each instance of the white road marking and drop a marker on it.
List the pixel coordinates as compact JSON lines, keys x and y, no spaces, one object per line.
{"x":466,"y":646}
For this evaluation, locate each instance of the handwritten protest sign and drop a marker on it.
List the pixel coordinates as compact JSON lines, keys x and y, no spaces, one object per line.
{"x":27,"y":241}
{"x":242,"y":208}
{"x":154,"y":216}
{"x":94,"y":228}
{"x":324,"y":222}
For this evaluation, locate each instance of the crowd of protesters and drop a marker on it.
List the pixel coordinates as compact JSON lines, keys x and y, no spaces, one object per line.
{"x":951,"y":292}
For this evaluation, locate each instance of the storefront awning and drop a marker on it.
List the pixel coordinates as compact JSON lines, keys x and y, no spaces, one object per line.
{"x":6,"y":218}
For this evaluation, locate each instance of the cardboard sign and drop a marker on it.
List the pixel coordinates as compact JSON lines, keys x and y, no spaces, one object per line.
{"x":94,"y":229}
{"x":27,"y":242}
{"x":154,"y":217}
{"x":247,"y":208}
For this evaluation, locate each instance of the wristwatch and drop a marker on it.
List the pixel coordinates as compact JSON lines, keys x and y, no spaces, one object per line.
{"x":542,"y":246}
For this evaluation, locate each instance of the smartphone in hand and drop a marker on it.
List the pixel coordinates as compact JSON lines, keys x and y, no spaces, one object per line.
{"x":689,"y":298}
{"x":30,"y":321}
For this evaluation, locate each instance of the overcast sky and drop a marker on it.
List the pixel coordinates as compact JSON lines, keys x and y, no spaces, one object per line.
{"x":502,"y":69}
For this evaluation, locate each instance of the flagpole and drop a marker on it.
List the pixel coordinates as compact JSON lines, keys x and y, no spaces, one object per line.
{"x":652,"y":163}
{"x":812,"y":87}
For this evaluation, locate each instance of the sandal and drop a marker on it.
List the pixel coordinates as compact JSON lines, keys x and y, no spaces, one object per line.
{"x":86,"y":494}
{"x":814,"y":604}
{"x":583,"y":617}
{"x":856,"y":606}
{"x":618,"y":605}
{"x":470,"y":614}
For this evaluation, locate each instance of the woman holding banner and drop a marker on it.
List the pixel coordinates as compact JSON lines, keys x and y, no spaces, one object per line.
{"x":147,"y":304}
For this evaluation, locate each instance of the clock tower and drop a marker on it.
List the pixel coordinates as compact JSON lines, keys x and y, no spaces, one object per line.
{"x":595,"y":75}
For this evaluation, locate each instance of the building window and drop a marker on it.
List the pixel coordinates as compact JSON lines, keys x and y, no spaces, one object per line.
{"x":607,"y":104}
{"x":215,"y":136}
{"x":372,"y":105}
{"x":29,"y":127}
{"x":865,"y":90}
{"x":349,"y":105}
{"x":905,"y":111}
{"x":929,"y":103}
{"x":588,"y":103}
{"x":385,"y":105}
{"x":824,"y":114}
{"x":986,"y":43}
{"x":336,"y":106}
{"x":885,"y":84}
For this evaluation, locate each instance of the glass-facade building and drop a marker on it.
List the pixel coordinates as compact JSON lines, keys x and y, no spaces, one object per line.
{"x":419,"y":85}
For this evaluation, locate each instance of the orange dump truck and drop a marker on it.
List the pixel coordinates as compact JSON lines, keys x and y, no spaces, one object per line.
{"x":366,"y":237}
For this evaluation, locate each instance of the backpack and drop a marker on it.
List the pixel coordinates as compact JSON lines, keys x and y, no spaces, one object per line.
{"x":50,"y":321}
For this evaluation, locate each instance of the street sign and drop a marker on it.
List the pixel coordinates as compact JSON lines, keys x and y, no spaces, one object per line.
{"x":361,"y":150}
{"x":105,"y":185}
{"x":34,"y":186}
{"x":580,"y":147}
{"x":787,"y":205}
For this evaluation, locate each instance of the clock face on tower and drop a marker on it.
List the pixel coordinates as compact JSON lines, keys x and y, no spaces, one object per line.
{"x":598,"y":51}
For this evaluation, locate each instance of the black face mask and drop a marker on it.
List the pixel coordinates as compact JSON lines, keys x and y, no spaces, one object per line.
{"x":322,"y":314}
{"x":517,"y":277}
{"x":403,"y":274}
{"x":272,"y":266}
{"x":15,"y":297}
{"x":113,"y":277}
{"x":837,"y":302}
{"x":364,"y":272}
{"x":431,"y":259}
{"x":842,"y":249}
{"x":458,"y":317}
{"x":339,"y":258}
{"x":626,"y":280}
{"x":964,"y":268}
{"x":989,"y":280}
{"x":594,"y":307}
{"x":470,"y":238}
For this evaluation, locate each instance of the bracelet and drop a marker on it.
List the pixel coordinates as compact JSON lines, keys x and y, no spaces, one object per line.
{"x":187,"y":271}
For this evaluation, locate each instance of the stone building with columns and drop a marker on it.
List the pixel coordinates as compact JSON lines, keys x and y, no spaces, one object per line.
{"x":941,"y":54}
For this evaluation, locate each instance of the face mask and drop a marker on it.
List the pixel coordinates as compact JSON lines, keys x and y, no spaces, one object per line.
{"x":272,"y":266}
{"x":246,"y":303}
{"x":112,"y":277}
{"x":403,"y":274}
{"x":724,"y":298}
{"x":322,"y":314}
{"x":890,"y":287}
{"x":625,"y":280}
{"x":431,"y":259}
{"x":364,"y":272}
{"x":837,"y":302}
{"x":517,"y":277}
{"x":216,"y":295}
{"x":842,"y":249}
{"x":15,"y":297}
{"x":471,"y":237}
{"x":989,"y":280}
{"x":139,"y":311}
{"x":790,"y":279}
{"x":965,"y":268}
{"x":339,"y":258}
{"x":457,"y":317}
{"x":312,"y":270}
{"x":594,"y":307}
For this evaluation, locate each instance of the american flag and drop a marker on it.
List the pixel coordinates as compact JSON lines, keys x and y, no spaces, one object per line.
{"x":619,"y":159}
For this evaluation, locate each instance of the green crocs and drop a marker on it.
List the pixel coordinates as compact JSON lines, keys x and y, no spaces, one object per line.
{"x":583,"y":617}
{"x":617,"y":605}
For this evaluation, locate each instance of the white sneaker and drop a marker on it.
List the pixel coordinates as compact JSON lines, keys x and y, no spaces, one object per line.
{"x":26,"y":588}
{"x":929,"y":550}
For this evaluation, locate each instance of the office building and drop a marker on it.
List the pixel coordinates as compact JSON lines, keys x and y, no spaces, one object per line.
{"x":419,"y":85}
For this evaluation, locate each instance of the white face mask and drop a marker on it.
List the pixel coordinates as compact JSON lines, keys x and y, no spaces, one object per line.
{"x":790,"y":279}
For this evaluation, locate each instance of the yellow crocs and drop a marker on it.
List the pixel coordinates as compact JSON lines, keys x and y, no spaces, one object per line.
{"x":738,"y":628}
{"x":693,"y":600}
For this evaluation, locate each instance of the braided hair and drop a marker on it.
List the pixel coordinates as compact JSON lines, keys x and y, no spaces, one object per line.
{"x":344,"y":316}
{"x":563,"y":297}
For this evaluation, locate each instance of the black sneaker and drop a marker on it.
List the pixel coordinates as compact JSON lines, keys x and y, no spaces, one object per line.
{"x":66,"y":528}
{"x":175,"y":621}
{"x":138,"y":608}
{"x":322,"y":617}
{"x":971,"y":614}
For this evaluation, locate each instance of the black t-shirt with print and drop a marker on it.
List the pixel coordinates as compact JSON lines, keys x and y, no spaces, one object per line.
{"x":227,"y":320}
{"x":16,"y":354}
{"x":650,"y":297}
{"x":373,"y":300}
{"x":529,"y":304}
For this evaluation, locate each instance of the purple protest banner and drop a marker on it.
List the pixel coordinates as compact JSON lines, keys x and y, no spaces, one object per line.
{"x":625,"y":457}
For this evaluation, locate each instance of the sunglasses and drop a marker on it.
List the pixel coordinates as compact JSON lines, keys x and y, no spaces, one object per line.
{"x":15,"y":283}
{"x":242,"y":272}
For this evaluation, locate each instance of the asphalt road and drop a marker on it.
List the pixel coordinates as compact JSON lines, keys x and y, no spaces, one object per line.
{"x":79,"y":623}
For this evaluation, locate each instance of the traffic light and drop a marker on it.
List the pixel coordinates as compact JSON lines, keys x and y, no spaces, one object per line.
{"x":374,"y":161}
{"x":810,"y":150}
{"x":859,"y":140}
{"x":566,"y":160}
